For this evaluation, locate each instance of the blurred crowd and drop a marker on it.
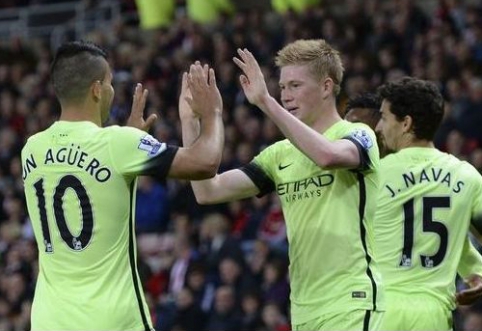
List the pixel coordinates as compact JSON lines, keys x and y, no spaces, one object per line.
{"x":224,"y":267}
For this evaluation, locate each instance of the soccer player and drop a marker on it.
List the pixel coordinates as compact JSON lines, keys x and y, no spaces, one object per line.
{"x":80,"y":184}
{"x":325,"y":175}
{"x":365,"y":108}
{"x":424,"y":211}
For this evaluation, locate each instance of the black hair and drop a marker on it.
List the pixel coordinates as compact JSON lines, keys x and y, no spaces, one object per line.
{"x":75,"y":67}
{"x":370,"y":101}
{"x":419,"y":99}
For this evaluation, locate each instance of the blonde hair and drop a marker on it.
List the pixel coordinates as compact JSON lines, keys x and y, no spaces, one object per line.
{"x":322,"y":59}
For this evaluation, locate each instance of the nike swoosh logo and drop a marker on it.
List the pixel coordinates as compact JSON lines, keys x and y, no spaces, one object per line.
{"x":281,"y":167}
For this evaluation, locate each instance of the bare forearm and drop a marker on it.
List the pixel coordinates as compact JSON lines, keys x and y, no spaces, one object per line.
{"x":203,"y":190}
{"x":190,"y":133}
{"x":229,"y":186}
{"x":190,"y":130}
{"x":208,"y":147}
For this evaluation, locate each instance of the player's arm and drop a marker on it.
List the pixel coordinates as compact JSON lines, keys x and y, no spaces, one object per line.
{"x":228,"y":186}
{"x":341,"y":153}
{"x":231,"y":185}
{"x":153,"y":158}
{"x":469,"y":265}
{"x":470,"y":261}
{"x":325,"y":153}
{"x":200,"y":158}
{"x":476,"y":208}
{"x":470,"y":269}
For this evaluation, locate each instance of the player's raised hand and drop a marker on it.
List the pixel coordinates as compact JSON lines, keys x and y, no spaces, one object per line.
{"x":474,"y":292}
{"x":185,"y":110}
{"x":136,"y":117}
{"x":252,"y":79}
{"x":205,"y":99}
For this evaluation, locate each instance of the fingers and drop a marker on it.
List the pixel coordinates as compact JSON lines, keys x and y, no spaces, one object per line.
{"x":150,"y":120}
{"x":206,"y":71}
{"x":140,"y":97}
{"x":199,"y":75}
{"x":184,"y":83}
{"x":189,"y":101}
{"x":467,"y":297}
{"x":239,"y":63}
{"x":243,"y":80}
{"x":247,"y":58}
{"x":212,"y":78}
{"x":143,"y":100}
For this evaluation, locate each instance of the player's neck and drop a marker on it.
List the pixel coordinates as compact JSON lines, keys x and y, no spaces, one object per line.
{"x":80,"y":112}
{"x":419,"y":143}
{"x":326,"y":119}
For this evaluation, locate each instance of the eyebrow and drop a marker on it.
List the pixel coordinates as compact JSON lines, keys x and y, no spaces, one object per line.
{"x":290,"y":82}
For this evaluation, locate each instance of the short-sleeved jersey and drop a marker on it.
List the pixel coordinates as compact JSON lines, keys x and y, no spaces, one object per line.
{"x":426,"y":203}
{"x":470,"y":261}
{"x":328,"y":215}
{"x":80,"y":183}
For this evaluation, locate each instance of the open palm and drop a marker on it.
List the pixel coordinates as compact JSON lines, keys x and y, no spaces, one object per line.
{"x":252,"y":79}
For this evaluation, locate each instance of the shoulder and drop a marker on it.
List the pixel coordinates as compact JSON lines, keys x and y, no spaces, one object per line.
{"x":122,"y":134}
{"x":281,"y":146}
{"x":348,"y":127}
{"x":457,"y":165}
{"x":35,"y":140}
{"x":360,"y":132}
{"x":389,"y":159}
{"x":467,"y":170}
{"x":121,"y":130}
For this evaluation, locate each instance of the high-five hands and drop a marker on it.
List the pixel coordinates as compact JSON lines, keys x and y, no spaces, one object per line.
{"x":252,"y":80}
{"x":136,"y":117}
{"x":200,"y":92}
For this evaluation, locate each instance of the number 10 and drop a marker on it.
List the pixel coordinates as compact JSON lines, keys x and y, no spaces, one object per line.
{"x":76,"y":243}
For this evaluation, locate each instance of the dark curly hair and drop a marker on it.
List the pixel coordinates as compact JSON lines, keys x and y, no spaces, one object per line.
{"x":75,"y":67}
{"x":419,"y":99}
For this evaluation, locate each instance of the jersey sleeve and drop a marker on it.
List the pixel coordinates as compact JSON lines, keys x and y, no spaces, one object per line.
{"x":366,"y":142}
{"x":24,"y":157}
{"x":470,"y":261}
{"x":134,"y":153}
{"x":477,"y":202}
{"x":258,"y":170}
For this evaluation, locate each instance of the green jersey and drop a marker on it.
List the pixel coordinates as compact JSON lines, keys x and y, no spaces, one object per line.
{"x":470,"y":262}
{"x":328,"y":214}
{"x":427,"y":200}
{"x":80,"y":183}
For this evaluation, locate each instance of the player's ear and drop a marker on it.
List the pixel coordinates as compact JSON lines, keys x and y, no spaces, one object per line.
{"x":327,"y":87}
{"x":407,"y":123}
{"x":96,"y":90}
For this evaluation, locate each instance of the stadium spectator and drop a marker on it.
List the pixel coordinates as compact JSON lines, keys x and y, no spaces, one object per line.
{"x":444,"y":51}
{"x":225,"y":316}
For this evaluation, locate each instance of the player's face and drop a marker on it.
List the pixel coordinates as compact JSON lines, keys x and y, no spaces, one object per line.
{"x":389,"y":129}
{"x":300,"y":93}
{"x":107,"y":95}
